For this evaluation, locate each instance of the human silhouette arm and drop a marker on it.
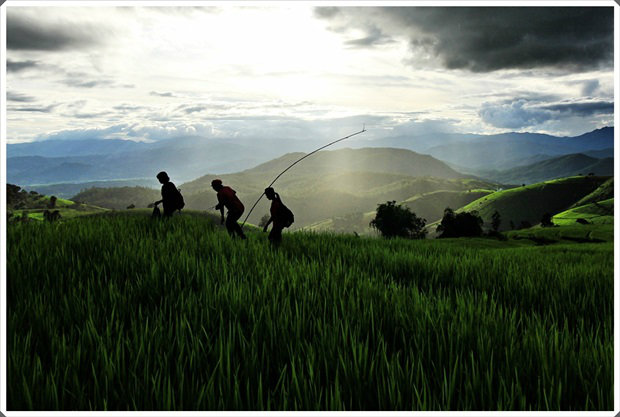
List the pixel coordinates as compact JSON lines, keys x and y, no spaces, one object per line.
{"x":267,"y":224}
{"x":220,"y":207}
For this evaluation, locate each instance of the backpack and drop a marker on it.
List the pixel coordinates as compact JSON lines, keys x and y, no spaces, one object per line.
{"x":179,"y":203}
{"x":287,"y":215}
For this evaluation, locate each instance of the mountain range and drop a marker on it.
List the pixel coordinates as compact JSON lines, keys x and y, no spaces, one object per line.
{"x":186,"y":158}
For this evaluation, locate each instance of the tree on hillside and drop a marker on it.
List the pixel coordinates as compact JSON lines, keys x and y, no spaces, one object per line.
{"x":394,"y":220}
{"x":496,"y":220}
{"x":263,"y":220}
{"x":546,"y":220}
{"x":460,"y":225}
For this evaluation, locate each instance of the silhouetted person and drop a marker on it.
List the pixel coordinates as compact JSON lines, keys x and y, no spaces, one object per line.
{"x":227,"y":197}
{"x":170,"y":196}
{"x":279,"y":216}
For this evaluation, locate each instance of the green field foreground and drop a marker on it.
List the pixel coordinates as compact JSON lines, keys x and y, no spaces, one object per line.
{"x":120,"y":312}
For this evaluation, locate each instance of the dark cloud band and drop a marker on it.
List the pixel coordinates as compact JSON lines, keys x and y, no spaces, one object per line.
{"x":24,"y":33}
{"x":483,"y":39}
{"x":520,"y":113}
{"x":16,"y":66}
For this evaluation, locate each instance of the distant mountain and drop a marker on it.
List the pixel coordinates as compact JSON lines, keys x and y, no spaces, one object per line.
{"x":558,"y":167}
{"x":188,"y":157}
{"x":184,"y":158}
{"x":513,"y":149}
{"x":603,"y":153}
{"x":74,"y":147}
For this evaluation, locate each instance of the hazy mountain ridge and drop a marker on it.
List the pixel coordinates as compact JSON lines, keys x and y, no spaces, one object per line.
{"x":509,"y":149}
{"x":548,"y":169}
{"x":189,"y":157}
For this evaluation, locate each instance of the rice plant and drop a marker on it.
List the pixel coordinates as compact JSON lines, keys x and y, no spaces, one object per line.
{"x":118,"y":312}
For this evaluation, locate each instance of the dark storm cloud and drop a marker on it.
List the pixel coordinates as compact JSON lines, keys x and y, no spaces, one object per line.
{"x":16,"y":66}
{"x":483,"y":39}
{"x":520,"y":113}
{"x":18,"y":97}
{"x":27,"y":33}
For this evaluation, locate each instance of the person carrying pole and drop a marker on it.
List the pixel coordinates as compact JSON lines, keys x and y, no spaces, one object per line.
{"x":227,"y":197}
{"x":281,"y":216}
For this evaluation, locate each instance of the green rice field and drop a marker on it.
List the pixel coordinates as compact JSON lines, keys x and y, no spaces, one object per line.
{"x":121,"y":312}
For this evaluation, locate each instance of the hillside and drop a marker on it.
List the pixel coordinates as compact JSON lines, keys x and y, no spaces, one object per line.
{"x":604,"y":192}
{"x":118,"y":197}
{"x":599,"y":212}
{"x":22,"y":204}
{"x":552,"y":168}
{"x":528,"y":204}
{"x":336,"y":183}
{"x":427,"y":205}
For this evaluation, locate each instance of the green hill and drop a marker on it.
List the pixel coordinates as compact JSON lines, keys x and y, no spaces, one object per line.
{"x":599,"y":212}
{"x":22,"y":204}
{"x":604,"y":192}
{"x":428,"y":205}
{"x":527,"y":204}
{"x":118,"y":198}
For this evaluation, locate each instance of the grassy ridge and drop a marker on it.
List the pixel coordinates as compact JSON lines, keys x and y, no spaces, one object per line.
{"x":528,"y":203}
{"x":599,"y":212}
{"x":124,"y":313}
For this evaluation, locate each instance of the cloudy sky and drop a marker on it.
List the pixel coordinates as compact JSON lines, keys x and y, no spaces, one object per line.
{"x":290,"y":70}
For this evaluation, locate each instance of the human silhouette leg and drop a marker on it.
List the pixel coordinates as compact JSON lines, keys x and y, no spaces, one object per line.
{"x":275,"y":236}
{"x":232,"y":226}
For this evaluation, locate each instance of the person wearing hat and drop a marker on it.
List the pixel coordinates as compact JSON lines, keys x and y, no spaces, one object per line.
{"x":227,"y":197}
{"x":170,"y":196}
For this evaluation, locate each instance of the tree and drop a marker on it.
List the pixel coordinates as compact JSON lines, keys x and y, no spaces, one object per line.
{"x":546,"y":220}
{"x":394,"y":220}
{"x":460,"y":225}
{"x":263,"y":220}
{"x":496,"y":220}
